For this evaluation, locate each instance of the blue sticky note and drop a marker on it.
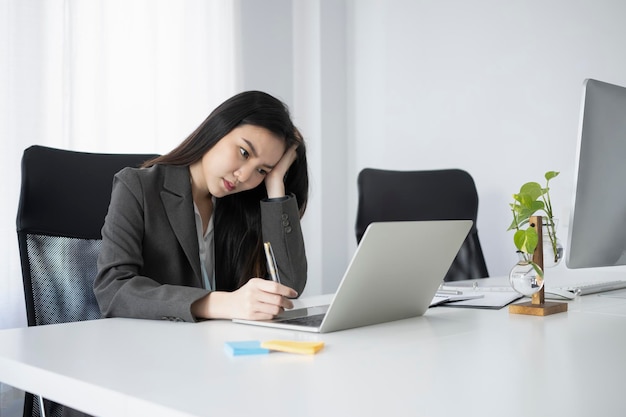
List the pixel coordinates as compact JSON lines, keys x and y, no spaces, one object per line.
{"x":248,"y":347}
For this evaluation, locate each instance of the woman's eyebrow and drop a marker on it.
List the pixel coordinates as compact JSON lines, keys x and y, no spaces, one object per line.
{"x":254,"y":153}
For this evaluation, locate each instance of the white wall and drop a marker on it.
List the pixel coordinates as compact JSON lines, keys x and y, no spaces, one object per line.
{"x":489,"y":86}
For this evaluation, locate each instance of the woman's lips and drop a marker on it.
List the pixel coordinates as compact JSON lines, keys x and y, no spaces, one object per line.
{"x":229,"y":185}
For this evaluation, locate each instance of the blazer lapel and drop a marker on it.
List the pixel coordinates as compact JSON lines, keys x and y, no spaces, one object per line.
{"x":178,"y":203}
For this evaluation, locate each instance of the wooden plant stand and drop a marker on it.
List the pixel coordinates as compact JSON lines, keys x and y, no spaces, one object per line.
{"x":538,"y":306}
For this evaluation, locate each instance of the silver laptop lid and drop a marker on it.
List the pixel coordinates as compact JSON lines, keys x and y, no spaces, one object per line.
{"x":393,"y":275}
{"x":395,"y":272}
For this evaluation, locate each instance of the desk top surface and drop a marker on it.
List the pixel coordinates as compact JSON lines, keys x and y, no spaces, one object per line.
{"x":449,"y":361}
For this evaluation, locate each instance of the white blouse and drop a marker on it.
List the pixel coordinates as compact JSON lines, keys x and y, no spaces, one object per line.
{"x":207,"y":250}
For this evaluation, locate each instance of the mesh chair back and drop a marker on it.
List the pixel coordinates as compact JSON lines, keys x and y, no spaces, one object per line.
{"x":449,"y":194}
{"x":64,"y":199}
{"x":72,"y":264}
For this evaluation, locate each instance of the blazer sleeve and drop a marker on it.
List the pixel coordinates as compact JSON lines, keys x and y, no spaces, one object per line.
{"x":127,"y":283}
{"x":281,"y":227}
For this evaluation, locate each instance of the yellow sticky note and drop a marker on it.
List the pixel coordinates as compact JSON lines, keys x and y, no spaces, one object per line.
{"x":291,"y":346}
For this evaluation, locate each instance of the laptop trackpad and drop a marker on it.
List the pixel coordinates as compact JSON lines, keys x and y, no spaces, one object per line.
{"x":301,"y":312}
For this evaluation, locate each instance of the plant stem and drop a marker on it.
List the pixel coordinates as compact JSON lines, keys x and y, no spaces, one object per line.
{"x":551,"y":226}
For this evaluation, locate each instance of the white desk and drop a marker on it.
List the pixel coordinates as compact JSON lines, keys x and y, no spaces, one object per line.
{"x":449,"y":362}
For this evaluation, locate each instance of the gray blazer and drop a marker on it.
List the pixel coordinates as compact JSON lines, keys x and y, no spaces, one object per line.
{"x":149,"y":262}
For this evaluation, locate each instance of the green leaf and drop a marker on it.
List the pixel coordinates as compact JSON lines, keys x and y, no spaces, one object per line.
{"x":519,"y":238}
{"x":526,"y":240}
{"x":551,"y":174}
{"x":512,"y":225}
{"x":531,"y":191}
{"x":532,"y":208}
{"x":523,"y":213}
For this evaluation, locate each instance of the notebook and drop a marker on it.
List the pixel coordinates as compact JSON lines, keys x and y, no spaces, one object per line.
{"x":394,"y":274}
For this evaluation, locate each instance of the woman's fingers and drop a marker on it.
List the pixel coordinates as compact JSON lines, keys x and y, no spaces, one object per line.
{"x":274,"y":287}
{"x":283,"y":164}
{"x":263,"y":299}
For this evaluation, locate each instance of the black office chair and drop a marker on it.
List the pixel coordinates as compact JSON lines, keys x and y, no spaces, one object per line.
{"x":447,"y":194}
{"x":64,"y":199}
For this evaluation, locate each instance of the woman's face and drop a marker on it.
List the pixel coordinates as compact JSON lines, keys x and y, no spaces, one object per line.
{"x":240,"y":160}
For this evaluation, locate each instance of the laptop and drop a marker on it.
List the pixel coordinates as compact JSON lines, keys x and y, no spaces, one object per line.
{"x":393,"y":275}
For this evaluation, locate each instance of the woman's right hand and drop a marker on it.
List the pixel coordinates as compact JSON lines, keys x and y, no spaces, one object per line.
{"x":258,"y":299}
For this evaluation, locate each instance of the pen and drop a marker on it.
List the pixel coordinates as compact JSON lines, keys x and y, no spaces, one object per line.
{"x":449,"y":292}
{"x":271,"y":262}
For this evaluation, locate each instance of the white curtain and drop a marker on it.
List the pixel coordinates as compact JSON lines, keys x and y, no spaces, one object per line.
{"x":103,"y":76}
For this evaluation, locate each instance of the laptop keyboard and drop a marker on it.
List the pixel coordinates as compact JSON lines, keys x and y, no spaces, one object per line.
{"x":310,"y":321}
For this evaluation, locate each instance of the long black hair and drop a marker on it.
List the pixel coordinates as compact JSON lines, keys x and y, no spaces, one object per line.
{"x":237,"y":217}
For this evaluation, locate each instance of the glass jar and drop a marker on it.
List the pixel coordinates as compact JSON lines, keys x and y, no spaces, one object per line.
{"x":550,"y":257}
{"x":526,"y":277}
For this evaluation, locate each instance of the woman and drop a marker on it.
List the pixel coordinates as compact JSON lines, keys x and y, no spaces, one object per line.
{"x":183,"y":237}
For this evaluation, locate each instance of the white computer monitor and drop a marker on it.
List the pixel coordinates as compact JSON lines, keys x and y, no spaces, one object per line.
{"x":597,"y":229}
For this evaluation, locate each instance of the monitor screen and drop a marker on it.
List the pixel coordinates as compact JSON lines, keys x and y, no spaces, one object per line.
{"x":597,"y":229}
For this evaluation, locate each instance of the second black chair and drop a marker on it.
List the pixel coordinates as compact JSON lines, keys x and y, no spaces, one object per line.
{"x":447,"y":194}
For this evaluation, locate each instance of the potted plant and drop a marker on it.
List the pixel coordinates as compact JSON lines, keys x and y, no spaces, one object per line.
{"x":533,"y":200}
